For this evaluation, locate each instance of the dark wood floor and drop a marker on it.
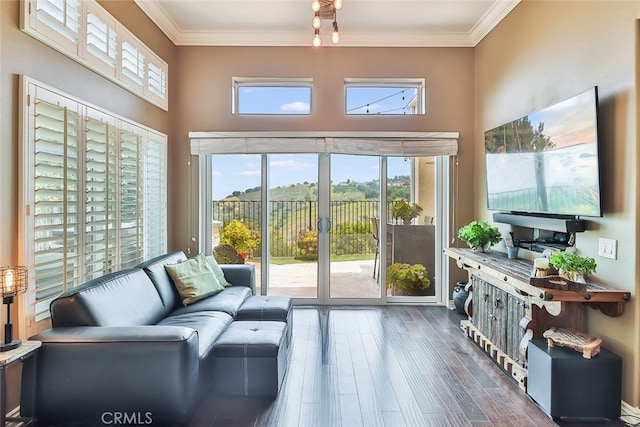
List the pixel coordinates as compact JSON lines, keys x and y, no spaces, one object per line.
{"x":382,"y":366}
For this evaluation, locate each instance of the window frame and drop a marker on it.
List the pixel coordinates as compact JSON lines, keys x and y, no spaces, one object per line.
{"x":269,"y":82}
{"x":417,"y":83}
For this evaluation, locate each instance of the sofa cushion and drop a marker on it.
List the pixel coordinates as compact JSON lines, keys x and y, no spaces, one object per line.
{"x":265,"y":307}
{"x":209,"y":325}
{"x":217,"y":270}
{"x":161,"y":279}
{"x":227,"y":301}
{"x":124,"y":298}
{"x":194,"y":279}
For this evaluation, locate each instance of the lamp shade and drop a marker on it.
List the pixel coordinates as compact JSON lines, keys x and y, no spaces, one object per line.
{"x":13,"y":280}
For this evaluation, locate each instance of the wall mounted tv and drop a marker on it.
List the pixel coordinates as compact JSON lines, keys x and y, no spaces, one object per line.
{"x":547,"y":162}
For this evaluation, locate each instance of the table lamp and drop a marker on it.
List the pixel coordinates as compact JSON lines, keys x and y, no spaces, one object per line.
{"x":13,"y":281}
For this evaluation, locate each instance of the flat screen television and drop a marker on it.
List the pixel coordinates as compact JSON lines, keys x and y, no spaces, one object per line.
{"x":547,"y":162}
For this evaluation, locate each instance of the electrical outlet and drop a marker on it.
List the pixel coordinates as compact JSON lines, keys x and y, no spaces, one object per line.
{"x":608,"y":248}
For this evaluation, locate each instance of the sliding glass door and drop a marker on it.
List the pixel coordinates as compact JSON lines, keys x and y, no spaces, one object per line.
{"x":353,"y":210}
{"x":321,"y":228}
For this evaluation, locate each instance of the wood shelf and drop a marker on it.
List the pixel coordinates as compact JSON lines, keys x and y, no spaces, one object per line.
{"x":517,"y":273}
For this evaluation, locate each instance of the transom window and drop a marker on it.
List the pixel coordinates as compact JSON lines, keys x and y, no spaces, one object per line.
{"x":384,"y":96}
{"x":84,"y":31}
{"x":272,"y":96}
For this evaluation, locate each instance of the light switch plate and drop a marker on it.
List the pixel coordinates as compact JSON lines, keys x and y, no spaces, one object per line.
{"x":608,"y":248}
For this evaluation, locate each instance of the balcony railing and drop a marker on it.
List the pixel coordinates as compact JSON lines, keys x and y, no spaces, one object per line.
{"x":351,"y":231}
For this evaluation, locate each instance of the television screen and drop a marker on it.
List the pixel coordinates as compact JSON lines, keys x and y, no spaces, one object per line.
{"x":547,"y":161}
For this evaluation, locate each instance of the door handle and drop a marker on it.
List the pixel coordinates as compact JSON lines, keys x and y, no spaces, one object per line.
{"x":324,"y":225}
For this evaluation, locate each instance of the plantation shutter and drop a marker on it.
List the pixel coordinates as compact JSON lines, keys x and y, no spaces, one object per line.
{"x":355,"y":143}
{"x":102,"y":40}
{"x":56,"y":207}
{"x":130,"y":208}
{"x":100,"y":197}
{"x":132,"y":67}
{"x":58,"y":20}
{"x":157,"y":79}
{"x":94,"y":195}
{"x":155,"y":196}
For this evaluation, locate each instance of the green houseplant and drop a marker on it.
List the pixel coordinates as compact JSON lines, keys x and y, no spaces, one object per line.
{"x":404,"y":210}
{"x":407,"y":279}
{"x":572,"y":266}
{"x":479,"y":235}
{"x":242,"y":238}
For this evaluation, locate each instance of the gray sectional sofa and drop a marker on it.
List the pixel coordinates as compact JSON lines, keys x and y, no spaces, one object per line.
{"x":125,"y":344}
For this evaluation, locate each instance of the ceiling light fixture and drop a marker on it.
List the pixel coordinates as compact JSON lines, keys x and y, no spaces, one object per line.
{"x":325,"y":9}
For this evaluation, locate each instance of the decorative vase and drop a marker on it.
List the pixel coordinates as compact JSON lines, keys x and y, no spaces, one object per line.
{"x":460,"y":296}
{"x":483,"y":248}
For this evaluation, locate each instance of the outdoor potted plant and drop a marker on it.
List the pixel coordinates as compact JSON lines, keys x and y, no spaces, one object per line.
{"x":404,"y":210}
{"x":479,"y":235}
{"x":572,"y":266}
{"x":242,"y":238}
{"x":407,"y":279}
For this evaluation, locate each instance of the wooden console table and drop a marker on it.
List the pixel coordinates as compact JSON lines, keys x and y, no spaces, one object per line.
{"x":509,"y":311}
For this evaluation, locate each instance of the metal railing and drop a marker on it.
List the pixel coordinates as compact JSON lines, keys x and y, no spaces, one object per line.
{"x":351,"y":230}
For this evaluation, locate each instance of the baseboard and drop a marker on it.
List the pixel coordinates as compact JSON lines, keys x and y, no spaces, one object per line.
{"x":630,"y":414}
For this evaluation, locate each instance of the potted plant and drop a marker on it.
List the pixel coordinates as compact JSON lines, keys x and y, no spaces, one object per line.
{"x":242,"y":238}
{"x":407,"y":279}
{"x":404,"y":210}
{"x":479,"y":235}
{"x":572,"y":266}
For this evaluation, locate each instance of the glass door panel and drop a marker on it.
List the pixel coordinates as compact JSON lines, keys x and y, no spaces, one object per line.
{"x":354,"y":207}
{"x":236,"y":213}
{"x":411,"y":241}
{"x":293,"y":217}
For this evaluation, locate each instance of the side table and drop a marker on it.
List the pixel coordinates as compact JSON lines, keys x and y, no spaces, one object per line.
{"x":7,"y":358}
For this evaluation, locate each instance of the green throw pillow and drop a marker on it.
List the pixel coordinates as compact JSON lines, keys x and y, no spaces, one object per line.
{"x":217,"y":270}
{"x":194,"y":279}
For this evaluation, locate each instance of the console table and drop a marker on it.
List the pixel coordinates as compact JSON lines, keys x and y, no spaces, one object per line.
{"x":509,"y":311}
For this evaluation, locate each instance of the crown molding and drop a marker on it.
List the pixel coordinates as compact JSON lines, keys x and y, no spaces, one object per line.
{"x":489,"y":20}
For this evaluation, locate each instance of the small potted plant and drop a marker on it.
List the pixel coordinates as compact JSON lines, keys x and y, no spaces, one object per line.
{"x":572,"y":266}
{"x":404,"y":210}
{"x":479,"y":235}
{"x":407,"y":279}
{"x":242,"y":238}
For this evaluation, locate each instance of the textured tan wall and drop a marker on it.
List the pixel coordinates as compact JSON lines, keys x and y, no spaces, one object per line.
{"x":201,"y":101}
{"x":544,"y":52}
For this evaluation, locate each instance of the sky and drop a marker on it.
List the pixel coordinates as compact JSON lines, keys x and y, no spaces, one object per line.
{"x":297,"y":100}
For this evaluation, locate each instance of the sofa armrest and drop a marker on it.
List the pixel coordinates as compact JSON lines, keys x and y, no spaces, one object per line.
{"x":85,"y":374}
{"x":240,"y":275}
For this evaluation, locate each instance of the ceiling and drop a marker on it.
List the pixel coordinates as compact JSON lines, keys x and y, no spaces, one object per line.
{"x":419,"y":23}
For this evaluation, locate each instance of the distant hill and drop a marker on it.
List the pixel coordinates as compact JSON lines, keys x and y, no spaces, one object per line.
{"x":398,"y":187}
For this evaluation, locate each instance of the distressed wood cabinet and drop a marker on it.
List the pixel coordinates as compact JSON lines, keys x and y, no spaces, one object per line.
{"x":509,"y":311}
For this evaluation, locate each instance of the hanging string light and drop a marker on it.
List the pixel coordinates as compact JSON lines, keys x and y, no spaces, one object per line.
{"x":325,"y":9}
